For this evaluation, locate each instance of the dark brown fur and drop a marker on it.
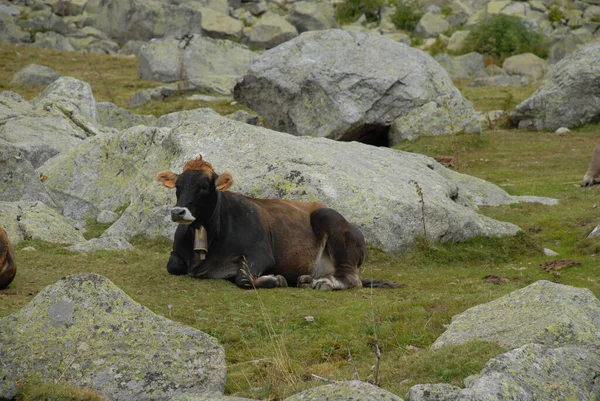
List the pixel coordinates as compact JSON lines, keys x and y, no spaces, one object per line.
{"x":260,"y":242}
{"x":8,"y":267}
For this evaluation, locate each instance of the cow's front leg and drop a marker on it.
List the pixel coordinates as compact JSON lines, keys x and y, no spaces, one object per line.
{"x":250,"y":273}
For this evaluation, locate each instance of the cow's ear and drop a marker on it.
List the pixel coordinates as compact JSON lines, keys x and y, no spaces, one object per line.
{"x":167,"y":178}
{"x":224,"y":182}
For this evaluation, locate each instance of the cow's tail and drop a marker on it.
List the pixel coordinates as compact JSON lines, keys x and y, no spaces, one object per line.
{"x":380,"y":284}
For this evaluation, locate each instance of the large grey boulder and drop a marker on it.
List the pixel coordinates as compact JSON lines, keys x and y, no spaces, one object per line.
{"x":461,"y":67}
{"x":39,"y":134}
{"x":92,"y":40}
{"x":269,"y":31}
{"x":10,"y":31}
{"x":111,"y":115}
{"x":543,"y":312}
{"x":86,"y":331}
{"x":214,"y":62}
{"x":36,"y":221}
{"x":70,"y":89}
{"x":18,"y":179}
{"x":433,"y":392}
{"x":379,"y":196}
{"x":104,"y":172}
{"x":345,"y":391}
{"x":535,"y":372}
{"x":312,"y":16}
{"x":526,"y":64}
{"x":53,"y":40}
{"x":569,"y":98}
{"x":60,"y":117}
{"x":43,"y":20}
{"x":125,"y":20}
{"x":35,"y":74}
{"x":337,"y":84}
{"x":221,"y":26}
{"x":431,"y":25}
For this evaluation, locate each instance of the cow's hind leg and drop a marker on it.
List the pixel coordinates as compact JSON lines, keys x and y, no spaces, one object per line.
{"x":343,"y":248}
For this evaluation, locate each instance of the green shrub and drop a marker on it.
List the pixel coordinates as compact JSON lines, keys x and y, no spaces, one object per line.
{"x":502,"y":36}
{"x":351,"y":10}
{"x":555,"y":14}
{"x":407,"y":15}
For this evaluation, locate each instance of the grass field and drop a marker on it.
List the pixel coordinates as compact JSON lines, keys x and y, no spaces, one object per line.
{"x":266,"y":331}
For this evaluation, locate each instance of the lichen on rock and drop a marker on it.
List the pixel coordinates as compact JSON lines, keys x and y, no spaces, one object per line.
{"x":86,"y":331}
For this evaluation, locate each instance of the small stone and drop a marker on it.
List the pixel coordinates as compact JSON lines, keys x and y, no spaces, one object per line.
{"x":562,"y":131}
{"x":549,"y":252}
{"x":309,"y":319}
{"x":29,"y":249}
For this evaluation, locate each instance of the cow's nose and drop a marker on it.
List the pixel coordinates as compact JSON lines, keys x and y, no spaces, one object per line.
{"x":177,"y":213}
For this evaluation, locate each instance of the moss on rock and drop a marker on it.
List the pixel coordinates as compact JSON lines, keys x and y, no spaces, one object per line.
{"x":86,"y":331}
{"x":544,"y":312}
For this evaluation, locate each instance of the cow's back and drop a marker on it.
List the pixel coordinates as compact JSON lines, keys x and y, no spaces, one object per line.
{"x":294,"y":244}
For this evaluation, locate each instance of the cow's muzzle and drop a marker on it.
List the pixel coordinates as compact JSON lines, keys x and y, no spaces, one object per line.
{"x":182,"y":215}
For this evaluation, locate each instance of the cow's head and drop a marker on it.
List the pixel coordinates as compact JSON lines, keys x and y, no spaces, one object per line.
{"x":196,"y":188}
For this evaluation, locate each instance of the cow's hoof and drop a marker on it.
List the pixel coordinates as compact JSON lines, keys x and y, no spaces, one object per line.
{"x":323,"y":285}
{"x":281,"y":281}
{"x":304,"y":281}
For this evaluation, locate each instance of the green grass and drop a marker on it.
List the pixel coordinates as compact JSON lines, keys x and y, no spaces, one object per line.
{"x":113,"y":78}
{"x":265,"y":330}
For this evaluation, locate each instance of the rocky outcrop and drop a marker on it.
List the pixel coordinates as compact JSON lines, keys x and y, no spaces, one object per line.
{"x":431,"y":25}
{"x":18,"y":179}
{"x":303,"y":168}
{"x":10,"y":32}
{"x":36,"y":221}
{"x":461,"y":67}
{"x":35,"y":74}
{"x":104,"y":171}
{"x":269,"y":31}
{"x":125,"y":20}
{"x":526,"y":64}
{"x":218,"y":63}
{"x":111,"y":115}
{"x":98,"y":244}
{"x":86,"y":331}
{"x":69,"y":89}
{"x":311,"y":16}
{"x":544,"y":312}
{"x":345,"y":391}
{"x":433,"y":392}
{"x":324,"y":84}
{"x":220,"y":26}
{"x":569,"y":98}
{"x":535,"y":372}
{"x":44,"y":131}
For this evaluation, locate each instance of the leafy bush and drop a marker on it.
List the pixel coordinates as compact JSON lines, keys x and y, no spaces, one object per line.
{"x":407,"y":15}
{"x":555,"y":13}
{"x":351,"y":10}
{"x":502,"y":36}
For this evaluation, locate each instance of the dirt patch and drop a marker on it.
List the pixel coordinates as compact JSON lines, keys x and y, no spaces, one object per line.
{"x":446,"y":161}
{"x":554,"y":265}
{"x":492,"y":278}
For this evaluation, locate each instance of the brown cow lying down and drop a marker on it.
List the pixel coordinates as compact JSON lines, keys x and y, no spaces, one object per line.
{"x":263,"y":243}
{"x":8,"y":268}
